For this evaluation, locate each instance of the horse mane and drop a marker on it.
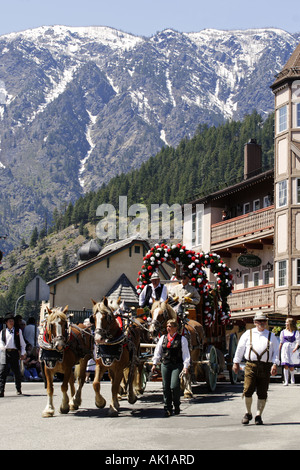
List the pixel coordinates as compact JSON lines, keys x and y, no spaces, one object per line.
{"x":102,"y":306}
{"x":163,"y":306}
{"x":57,"y":312}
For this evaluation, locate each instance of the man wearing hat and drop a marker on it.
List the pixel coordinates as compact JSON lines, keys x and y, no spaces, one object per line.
{"x":12,"y":349}
{"x":152,"y":292}
{"x":185,"y":292}
{"x":260,"y":348}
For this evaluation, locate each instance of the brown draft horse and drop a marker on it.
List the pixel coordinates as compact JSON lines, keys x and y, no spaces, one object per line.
{"x":61,"y":349}
{"x":161,"y":312}
{"x":116,"y":351}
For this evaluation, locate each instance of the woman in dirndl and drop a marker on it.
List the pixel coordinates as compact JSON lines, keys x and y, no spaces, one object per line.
{"x":289,"y":344}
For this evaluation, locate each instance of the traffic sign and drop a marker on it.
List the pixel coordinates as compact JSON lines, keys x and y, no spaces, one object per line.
{"x":37,"y":290}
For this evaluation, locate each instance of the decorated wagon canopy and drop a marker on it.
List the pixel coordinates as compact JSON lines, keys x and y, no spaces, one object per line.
{"x":193,"y":264}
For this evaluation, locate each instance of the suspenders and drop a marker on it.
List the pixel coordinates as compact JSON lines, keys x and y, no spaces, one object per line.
{"x":259,"y":356}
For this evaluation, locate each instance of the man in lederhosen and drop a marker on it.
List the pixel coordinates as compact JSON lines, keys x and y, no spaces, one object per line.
{"x":152,"y":292}
{"x":260,"y":348}
{"x":12,"y":349}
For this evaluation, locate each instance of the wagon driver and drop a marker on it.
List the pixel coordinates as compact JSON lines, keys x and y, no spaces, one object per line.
{"x":261,"y":350}
{"x":152,"y":292}
{"x":185,"y":293}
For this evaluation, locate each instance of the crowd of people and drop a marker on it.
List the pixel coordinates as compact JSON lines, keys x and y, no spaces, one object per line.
{"x":19,"y":351}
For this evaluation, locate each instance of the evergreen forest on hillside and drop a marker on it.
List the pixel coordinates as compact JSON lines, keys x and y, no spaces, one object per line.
{"x":213,"y":158}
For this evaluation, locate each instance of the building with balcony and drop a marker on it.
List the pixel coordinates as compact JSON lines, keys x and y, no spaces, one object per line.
{"x":254,"y":225}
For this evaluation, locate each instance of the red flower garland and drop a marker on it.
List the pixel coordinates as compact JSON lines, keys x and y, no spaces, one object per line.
{"x":193,"y":263}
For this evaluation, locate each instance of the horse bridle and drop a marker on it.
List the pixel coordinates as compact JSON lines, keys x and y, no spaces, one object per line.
{"x":158,"y":325}
{"x":52,"y":342}
{"x":102,"y":332}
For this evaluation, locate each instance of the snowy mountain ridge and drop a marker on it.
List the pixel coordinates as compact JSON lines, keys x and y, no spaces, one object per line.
{"x":79,"y":105}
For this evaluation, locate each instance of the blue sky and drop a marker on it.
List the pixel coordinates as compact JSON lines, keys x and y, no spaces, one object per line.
{"x":146,"y":17}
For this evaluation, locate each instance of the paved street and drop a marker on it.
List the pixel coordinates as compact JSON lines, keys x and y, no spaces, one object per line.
{"x":207,"y":422}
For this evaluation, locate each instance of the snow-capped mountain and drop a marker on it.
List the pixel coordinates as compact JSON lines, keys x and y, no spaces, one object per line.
{"x":80,"y":105}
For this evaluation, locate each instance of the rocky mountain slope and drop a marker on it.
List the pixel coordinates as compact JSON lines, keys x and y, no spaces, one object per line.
{"x":80,"y":105}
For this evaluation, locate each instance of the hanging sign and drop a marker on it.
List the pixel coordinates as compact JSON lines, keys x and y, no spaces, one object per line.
{"x":249,"y":261}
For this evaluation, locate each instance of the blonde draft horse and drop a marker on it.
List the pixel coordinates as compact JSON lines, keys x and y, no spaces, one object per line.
{"x":117,"y":352}
{"x":161,"y":312}
{"x":61,"y":349}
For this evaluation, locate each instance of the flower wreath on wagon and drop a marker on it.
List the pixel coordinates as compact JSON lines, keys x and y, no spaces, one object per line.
{"x":193,"y":264}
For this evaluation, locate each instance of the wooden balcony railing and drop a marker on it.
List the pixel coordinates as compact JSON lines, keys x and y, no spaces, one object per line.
{"x":252,"y":298}
{"x":250,"y":225}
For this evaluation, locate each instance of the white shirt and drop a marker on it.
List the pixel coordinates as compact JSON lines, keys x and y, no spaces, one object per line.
{"x":185,"y":351}
{"x":163,"y":296}
{"x":10,"y":341}
{"x":259,"y":344}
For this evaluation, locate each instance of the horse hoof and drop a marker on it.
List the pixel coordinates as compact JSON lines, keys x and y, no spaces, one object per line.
{"x":188,"y":395}
{"x":64,"y":411}
{"x":74,"y":407}
{"x":132,"y":400}
{"x":47,"y":414}
{"x":100,"y":404}
{"x":113,"y":413}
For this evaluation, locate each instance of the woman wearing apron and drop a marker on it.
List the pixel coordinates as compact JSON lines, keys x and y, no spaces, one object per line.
{"x":289,"y":343}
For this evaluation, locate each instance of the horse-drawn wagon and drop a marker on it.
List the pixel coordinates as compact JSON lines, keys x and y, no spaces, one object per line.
{"x":125,"y":349}
{"x":205,"y":325}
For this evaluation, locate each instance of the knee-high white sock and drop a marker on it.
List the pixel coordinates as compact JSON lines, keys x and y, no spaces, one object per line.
{"x":260,"y":406}
{"x":248,"y":401}
{"x":292,"y":376}
{"x":286,"y":376}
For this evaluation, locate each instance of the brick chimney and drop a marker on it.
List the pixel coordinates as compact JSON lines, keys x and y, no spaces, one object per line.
{"x":252,"y":159}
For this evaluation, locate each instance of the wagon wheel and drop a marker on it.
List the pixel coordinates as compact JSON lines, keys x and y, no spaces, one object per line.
{"x":144,"y":379}
{"x":212,"y":368}
{"x":232,"y":348}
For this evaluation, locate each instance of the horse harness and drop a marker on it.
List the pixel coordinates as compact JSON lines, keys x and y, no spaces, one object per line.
{"x":259,"y":356}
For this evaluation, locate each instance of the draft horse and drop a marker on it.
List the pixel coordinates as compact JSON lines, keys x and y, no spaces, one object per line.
{"x":161,"y":312}
{"x":62,"y":347}
{"x":117,"y":351}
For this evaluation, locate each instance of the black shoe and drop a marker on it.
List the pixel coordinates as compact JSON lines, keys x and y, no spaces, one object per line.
{"x":1,"y":394}
{"x":177,"y":411}
{"x":167,"y":413}
{"x":258,"y":420}
{"x":247,"y":418}
{"x":19,"y":392}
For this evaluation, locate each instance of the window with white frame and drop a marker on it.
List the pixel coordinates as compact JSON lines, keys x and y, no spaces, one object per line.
{"x":246,"y":280}
{"x":256,"y":205}
{"x":256,"y":278}
{"x":282,"y":118}
{"x":282,"y":273}
{"x":282,"y":193}
{"x":246,"y":208}
{"x":197,"y":220}
{"x":267,"y":201}
{"x":266,"y":276}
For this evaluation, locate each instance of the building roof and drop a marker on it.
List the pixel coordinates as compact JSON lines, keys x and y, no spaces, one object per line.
{"x":291,"y":70}
{"x":235,"y":187}
{"x":105,"y":253}
{"x":123,"y":288}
